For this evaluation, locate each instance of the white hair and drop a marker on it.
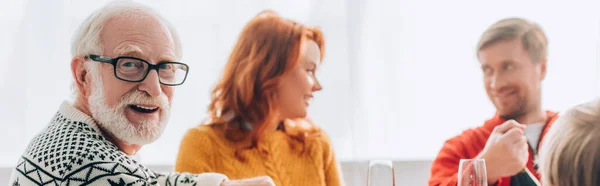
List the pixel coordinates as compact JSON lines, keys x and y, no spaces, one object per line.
{"x":86,"y":39}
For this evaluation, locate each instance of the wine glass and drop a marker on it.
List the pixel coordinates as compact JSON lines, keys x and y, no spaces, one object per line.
{"x":471,"y":172}
{"x":381,"y":173}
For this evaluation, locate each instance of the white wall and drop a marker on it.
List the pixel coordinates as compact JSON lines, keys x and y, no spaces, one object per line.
{"x":399,"y":76}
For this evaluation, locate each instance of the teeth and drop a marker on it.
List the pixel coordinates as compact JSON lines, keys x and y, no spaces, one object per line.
{"x":147,"y":108}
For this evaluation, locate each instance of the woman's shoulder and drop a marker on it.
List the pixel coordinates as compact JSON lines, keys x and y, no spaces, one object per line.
{"x":311,"y":135}
{"x":203,"y":131}
{"x":320,"y":137}
{"x":318,"y":145}
{"x":307,"y":129}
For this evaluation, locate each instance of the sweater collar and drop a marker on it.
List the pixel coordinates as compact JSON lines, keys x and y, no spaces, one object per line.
{"x":70,"y":112}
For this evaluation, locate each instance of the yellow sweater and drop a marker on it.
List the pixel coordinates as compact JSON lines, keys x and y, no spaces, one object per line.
{"x":205,"y":149}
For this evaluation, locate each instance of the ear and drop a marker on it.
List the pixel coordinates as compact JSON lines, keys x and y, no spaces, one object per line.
{"x":543,"y":64}
{"x":79,"y":75}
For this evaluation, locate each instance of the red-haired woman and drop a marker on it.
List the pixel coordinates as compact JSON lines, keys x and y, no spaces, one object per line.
{"x":258,"y":124}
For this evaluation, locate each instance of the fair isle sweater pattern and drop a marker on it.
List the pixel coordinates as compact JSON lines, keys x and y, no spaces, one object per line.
{"x":70,"y":152}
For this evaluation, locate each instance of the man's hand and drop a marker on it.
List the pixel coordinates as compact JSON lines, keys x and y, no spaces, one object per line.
{"x":256,"y":181}
{"x":506,"y":152}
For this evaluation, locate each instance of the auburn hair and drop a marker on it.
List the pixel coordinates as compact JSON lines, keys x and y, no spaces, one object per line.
{"x":244,"y":99}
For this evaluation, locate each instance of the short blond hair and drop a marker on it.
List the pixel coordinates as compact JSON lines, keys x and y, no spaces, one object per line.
{"x":570,"y":152}
{"x":531,"y":35}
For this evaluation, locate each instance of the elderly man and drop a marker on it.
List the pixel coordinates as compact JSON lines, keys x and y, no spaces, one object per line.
{"x":125,"y":72}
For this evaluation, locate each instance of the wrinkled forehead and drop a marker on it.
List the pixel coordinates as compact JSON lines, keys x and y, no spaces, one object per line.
{"x":138,"y":34}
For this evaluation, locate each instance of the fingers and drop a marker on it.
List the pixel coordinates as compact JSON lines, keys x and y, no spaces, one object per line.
{"x":526,"y":147}
{"x":266,"y":181}
{"x":523,"y":141}
{"x":523,"y":153}
{"x":508,"y":125}
{"x":513,"y":135}
{"x":521,"y":147}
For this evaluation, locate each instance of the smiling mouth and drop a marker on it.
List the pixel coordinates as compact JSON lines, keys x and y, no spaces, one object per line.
{"x":307,"y":99}
{"x":505,"y":95}
{"x":143,"y":109}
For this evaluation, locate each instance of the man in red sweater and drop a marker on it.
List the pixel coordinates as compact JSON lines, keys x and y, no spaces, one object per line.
{"x":512,"y":54}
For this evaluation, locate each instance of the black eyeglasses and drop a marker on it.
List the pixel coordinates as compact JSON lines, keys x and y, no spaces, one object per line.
{"x":132,"y":69}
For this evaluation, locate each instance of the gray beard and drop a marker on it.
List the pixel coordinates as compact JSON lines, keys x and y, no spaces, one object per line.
{"x":114,"y":121}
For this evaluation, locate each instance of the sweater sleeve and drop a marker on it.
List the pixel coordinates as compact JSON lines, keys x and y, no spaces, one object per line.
{"x":174,"y":179}
{"x":444,"y":169}
{"x":333,"y":175}
{"x":194,"y":152}
{"x":185,"y":179}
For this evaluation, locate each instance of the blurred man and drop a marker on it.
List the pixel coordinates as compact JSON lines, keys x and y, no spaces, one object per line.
{"x":125,"y":71}
{"x":512,"y":53}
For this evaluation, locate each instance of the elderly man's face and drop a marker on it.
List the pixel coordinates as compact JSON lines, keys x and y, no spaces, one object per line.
{"x":135,"y":112}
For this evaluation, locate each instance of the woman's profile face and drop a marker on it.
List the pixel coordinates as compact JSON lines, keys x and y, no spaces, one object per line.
{"x":297,"y":87}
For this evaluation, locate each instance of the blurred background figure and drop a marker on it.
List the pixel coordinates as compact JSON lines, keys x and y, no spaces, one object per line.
{"x":257,"y":122}
{"x":570,"y":153}
{"x":513,"y":57}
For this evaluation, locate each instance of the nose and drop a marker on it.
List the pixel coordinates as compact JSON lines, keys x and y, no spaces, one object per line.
{"x":496,"y":82}
{"x":151,"y":84}
{"x":317,"y":86}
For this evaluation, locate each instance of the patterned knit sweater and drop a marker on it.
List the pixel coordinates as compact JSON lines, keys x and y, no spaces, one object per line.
{"x":205,"y":149}
{"x":72,"y":151}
